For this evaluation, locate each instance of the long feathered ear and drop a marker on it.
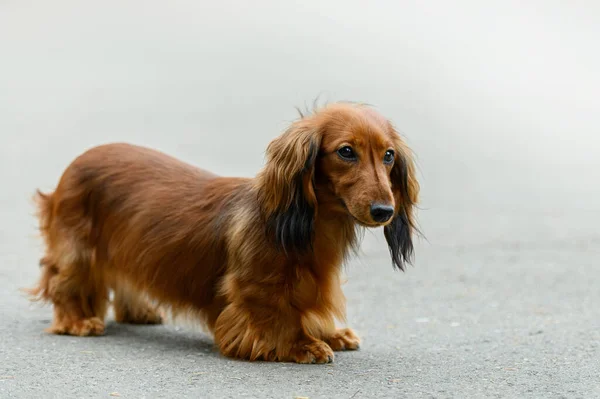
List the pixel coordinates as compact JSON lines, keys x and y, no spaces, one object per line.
{"x":286,"y":191}
{"x":400,"y":231}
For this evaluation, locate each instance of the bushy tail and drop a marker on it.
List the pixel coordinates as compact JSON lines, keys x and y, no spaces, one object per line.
{"x":45,"y":204}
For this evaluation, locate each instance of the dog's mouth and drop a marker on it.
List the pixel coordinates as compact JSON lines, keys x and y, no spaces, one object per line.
{"x":357,"y":220}
{"x":368,"y":224}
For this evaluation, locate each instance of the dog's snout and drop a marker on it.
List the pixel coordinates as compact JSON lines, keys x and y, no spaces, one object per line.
{"x":381,"y":213}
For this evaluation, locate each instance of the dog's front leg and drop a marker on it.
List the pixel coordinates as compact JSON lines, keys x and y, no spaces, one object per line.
{"x":259,"y":333}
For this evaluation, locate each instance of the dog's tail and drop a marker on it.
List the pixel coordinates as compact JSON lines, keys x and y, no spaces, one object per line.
{"x":45,"y":206}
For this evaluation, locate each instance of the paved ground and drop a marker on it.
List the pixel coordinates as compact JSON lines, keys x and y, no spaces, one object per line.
{"x":503,"y":300}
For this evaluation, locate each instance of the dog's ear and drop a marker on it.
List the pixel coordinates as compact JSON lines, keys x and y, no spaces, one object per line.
{"x":286,"y":188}
{"x":405,"y":187}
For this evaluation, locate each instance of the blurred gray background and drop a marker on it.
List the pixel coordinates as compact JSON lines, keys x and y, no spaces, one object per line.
{"x":498,"y":99}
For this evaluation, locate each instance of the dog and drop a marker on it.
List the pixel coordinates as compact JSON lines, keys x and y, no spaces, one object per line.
{"x":256,"y":260}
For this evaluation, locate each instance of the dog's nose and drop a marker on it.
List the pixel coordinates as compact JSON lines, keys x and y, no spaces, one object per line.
{"x":381,"y":213}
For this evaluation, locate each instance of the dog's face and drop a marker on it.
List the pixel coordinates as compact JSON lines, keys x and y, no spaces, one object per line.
{"x":356,"y":158}
{"x":343,"y":158}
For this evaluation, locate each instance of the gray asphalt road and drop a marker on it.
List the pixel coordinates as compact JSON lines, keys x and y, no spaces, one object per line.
{"x":498,"y":101}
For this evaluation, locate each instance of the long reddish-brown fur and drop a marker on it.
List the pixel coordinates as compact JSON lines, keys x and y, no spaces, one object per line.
{"x":258,"y":260}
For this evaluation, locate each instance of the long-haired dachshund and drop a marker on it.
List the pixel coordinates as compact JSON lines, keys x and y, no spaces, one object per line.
{"x":257,"y":260}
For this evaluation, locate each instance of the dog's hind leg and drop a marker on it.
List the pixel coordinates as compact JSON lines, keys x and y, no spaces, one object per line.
{"x":69,"y":278}
{"x":131,"y":307}
{"x":80,"y":299}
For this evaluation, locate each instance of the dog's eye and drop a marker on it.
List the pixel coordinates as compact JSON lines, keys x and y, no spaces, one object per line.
{"x":388,"y":158}
{"x":347,"y":153}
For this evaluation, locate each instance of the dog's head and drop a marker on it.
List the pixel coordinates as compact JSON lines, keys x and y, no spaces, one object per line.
{"x":345,"y":159}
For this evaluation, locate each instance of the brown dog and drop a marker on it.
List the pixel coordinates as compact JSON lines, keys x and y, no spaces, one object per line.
{"x":257,"y":260}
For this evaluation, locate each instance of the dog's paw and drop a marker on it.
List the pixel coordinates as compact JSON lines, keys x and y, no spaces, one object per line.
{"x":144,"y":315}
{"x":82,"y":328}
{"x":344,"y":339}
{"x":154,"y":317}
{"x":314,"y":352}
